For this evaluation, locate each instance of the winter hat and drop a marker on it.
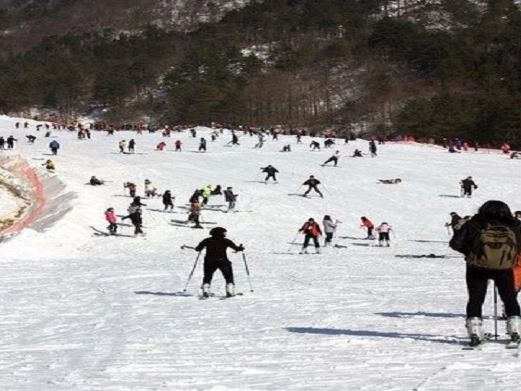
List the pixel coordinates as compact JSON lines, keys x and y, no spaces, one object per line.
{"x":217,"y":232}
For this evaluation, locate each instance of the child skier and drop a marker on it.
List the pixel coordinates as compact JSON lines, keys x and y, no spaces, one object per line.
{"x":216,"y":258}
{"x":311,"y":230}
{"x":131,"y":188}
{"x":111,"y":218}
{"x":369,"y":225}
{"x":383,"y":234}
{"x":329,"y":229}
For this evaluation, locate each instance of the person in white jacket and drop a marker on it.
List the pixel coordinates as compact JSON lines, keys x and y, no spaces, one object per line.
{"x":383,"y":234}
{"x":329,"y":229}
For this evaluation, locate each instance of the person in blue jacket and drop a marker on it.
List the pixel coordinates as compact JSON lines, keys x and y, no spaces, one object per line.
{"x":54,"y":146}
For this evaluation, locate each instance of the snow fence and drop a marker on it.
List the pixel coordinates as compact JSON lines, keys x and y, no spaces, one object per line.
{"x":42,"y":199}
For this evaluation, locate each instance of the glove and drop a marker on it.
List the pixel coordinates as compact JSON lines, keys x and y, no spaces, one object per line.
{"x":241,"y":248}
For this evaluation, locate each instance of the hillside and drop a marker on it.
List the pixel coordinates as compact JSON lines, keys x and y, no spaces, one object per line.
{"x":89,"y":312}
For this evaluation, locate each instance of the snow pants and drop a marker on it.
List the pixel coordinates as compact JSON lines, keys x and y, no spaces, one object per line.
{"x":313,"y":188}
{"x":271,"y":176}
{"x":307,"y":238}
{"x":210,"y":266}
{"x":332,"y":159}
{"x":329,"y":238}
{"x":477,"y":280}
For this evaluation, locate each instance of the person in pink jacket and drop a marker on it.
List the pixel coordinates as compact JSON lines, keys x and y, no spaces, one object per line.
{"x":383,"y":233}
{"x":110,"y":216}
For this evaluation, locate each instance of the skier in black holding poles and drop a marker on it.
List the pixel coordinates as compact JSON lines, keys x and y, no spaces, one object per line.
{"x":467,"y":185}
{"x":168,"y":203}
{"x":333,"y":158}
{"x":270,"y":171}
{"x":312,"y":184}
{"x":216,"y":258}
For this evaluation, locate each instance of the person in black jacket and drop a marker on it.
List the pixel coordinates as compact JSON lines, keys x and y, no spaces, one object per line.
{"x":216,"y":258}
{"x":270,"y":171}
{"x":492,"y":215}
{"x":312,"y":184}
{"x":168,"y":203}
{"x":467,"y":185}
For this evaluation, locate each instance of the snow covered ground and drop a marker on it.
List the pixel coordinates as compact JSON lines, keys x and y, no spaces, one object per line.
{"x":83,"y":312}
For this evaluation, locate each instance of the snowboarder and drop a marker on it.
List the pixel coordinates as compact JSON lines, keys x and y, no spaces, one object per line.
{"x":111,"y":218}
{"x":168,"y":202}
{"x":271,"y":173}
{"x":383,"y":234}
{"x":312,"y":184}
{"x":311,"y":230}
{"x":216,"y":258}
{"x":132,"y":146}
{"x":329,"y":229}
{"x":95,"y":181}
{"x":490,"y":242}
{"x":230,"y":198}
{"x":202,"y":144}
{"x":467,"y":185}
{"x":54,"y":146}
{"x":372,"y":148}
{"x":334,"y":158}
{"x":131,"y":188}
{"x":366,"y":223}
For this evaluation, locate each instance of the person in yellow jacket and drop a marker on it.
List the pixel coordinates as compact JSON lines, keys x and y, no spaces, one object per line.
{"x":49,"y":165}
{"x":206,"y":193}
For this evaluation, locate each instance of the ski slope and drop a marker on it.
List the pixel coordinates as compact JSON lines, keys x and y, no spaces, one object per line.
{"x":84,"y":312}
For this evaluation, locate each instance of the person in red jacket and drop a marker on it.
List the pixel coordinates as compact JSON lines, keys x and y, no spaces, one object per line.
{"x":369,"y":225}
{"x":110,"y":216}
{"x":312,"y":231}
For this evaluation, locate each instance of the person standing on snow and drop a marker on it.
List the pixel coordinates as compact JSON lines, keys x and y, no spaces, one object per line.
{"x":312,"y":184}
{"x":168,"y":202}
{"x":54,"y":146}
{"x":491,"y":243}
{"x":334,"y":158}
{"x":10,"y":142}
{"x":122,"y":145}
{"x":467,"y":185}
{"x":216,"y":258}
{"x":202,"y":144}
{"x":178,"y":144}
{"x":329,"y":229}
{"x":206,"y":192}
{"x":270,"y":171}
{"x":372,"y":148}
{"x":315,"y":145}
{"x":230,"y":198}
{"x":311,"y":230}
{"x":131,"y":146}
{"x":383,"y":234}
{"x":194,"y":213}
{"x":366,"y":223}
{"x":111,"y":218}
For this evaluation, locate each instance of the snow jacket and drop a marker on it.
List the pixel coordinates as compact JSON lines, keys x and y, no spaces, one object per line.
{"x":269,"y":170}
{"x":312,"y":182}
{"x":467,"y":184}
{"x":167,"y":198}
{"x":216,"y":248}
{"x":329,"y":226}
{"x":367,"y":223}
{"x":384,"y":228}
{"x":229,"y":196}
{"x":207,"y":191}
{"x":110,"y":216}
{"x":312,"y":229}
{"x":54,"y":144}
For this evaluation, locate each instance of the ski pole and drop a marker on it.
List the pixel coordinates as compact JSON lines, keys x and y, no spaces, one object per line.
{"x":185,"y":246}
{"x":495,"y":311}
{"x":247,"y":271}
{"x":193,"y":270}
{"x":293,"y":241}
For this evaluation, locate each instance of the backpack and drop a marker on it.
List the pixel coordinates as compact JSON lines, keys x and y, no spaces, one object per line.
{"x":496,"y":247}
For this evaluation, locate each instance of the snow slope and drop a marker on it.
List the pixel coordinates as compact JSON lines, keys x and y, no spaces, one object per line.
{"x":83,"y":312}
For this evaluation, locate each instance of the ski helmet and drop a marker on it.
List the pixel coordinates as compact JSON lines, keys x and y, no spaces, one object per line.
{"x":217,"y":232}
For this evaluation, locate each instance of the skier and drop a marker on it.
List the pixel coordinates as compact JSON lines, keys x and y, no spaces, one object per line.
{"x":2,"y":142}
{"x":195,"y":196}
{"x":456,"y":222}
{"x":312,"y":184}
{"x":131,"y":188}
{"x":299,"y":138}
{"x":271,"y":173}
{"x":131,"y":146}
{"x":369,"y":225}
{"x":314,"y":145}
{"x":329,"y":143}
{"x":49,"y":165}
{"x":10,"y":142}
{"x":178,"y":144}
{"x":286,"y":148}
{"x":54,"y":146}
{"x":372,"y":148}
{"x":195,"y":214}
{"x":206,"y":192}
{"x":216,"y":258}
{"x":235,"y":139}
{"x":193,"y":132}
{"x":135,"y":215}
{"x":30,"y":138}
{"x":217,"y":190}
{"x":467,"y":185}
{"x":230,"y":197}
{"x":111,"y":218}
{"x":260,"y":142}
{"x":383,"y":234}
{"x":167,"y":201}
{"x":202,"y":144}
{"x":95,"y":181}
{"x":329,"y":229}
{"x":122,"y":145}
{"x":334,"y":158}
{"x":161,"y":146}
{"x":311,"y":230}
{"x":357,"y":153}
{"x":150,"y":189}
{"x":490,"y":242}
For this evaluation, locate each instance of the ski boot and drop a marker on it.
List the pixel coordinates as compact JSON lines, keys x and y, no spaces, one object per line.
{"x":303,"y":251}
{"x":514,"y":328}
{"x":206,"y":290}
{"x":230,"y":290}
{"x":475,"y":331}
{"x":317,"y":250}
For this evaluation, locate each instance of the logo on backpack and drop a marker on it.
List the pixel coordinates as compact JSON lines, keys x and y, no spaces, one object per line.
{"x":495,"y":248}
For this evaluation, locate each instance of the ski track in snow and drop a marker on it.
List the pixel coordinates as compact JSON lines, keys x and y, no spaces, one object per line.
{"x":104,"y":313}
